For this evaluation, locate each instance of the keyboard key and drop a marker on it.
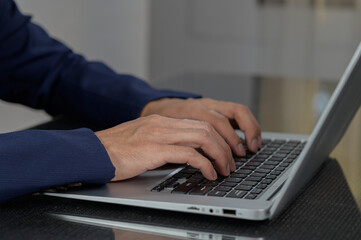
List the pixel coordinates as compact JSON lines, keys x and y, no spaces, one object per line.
{"x":262,"y":186}
{"x":251,"y":196}
{"x":243,"y":187}
{"x":249,"y":167}
{"x":271,"y":176}
{"x":189,"y":170}
{"x":215,"y":193}
{"x":288,"y":160}
{"x":266,"y":181}
{"x":239,"y":164}
{"x":182,"y":175}
{"x":269,"y":162}
{"x":281,"y":169}
{"x":262,"y":156}
{"x":256,"y":163}
{"x":228,"y":184}
{"x":262,"y":170}
{"x":238,"y":175}
{"x":223,"y":188}
{"x":271,"y":148}
{"x":284,"y":164}
{"x":261,"y":175}
{"x":244,"y":171}
{"x":210,"y":183}
{"x":287,"y":147}
{"x":200,"y":190}
{"x":283,"y":151}
{"x":280,"y":155}
{"x":242,"y":159}
{"x":256,"y":191}
{"x":276,"y":159}
{"x":255,"y":179}
{"x":267,"y":152}
{"x":268,"y":167}
{"x":173,"y":185}
{"x":157,"y":188}
{"x":275,"y":172}
{"x":235,"y":180}
{"x":184,"y":188}
{"x":195,"y":180}
{"x":250,"y":183}
{"x":236,"y":194}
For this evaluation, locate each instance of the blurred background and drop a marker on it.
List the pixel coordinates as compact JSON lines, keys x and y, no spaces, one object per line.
{"x":282,"y":58}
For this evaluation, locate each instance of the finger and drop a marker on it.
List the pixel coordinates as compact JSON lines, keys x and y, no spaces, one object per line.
{"x":225,"y":129}
{"x":198,"y":138}
{"x":244,"y":119}
{"x":182,"y":155}
{"x":225,"y":133}
{"x":222,"y":165}
{"x":249,"y":125}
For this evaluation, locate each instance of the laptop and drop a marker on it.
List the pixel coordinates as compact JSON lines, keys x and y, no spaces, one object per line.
{"x":263,"y":184}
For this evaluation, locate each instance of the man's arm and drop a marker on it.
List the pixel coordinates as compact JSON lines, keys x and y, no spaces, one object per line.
{"x":34,"y":160}
{"x":38,"y":71}
{"x":41,"y":72}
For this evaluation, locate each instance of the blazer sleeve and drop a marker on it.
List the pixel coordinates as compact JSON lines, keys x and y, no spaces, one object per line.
{"x":34,"y":160}
{"x":39,"y":71}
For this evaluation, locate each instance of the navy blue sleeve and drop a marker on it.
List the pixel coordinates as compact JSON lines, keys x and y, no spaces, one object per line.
{"x":33,"y":160}
{"x":40,"y":72}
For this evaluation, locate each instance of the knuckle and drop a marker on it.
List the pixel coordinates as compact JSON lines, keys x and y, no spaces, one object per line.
{"x":207,"y":126}
{"x":244,"y":108}
{"x":205,"y":135}
{"x":192,"y":154}
{"x":223,"y":119}
{"x":154,"y":118}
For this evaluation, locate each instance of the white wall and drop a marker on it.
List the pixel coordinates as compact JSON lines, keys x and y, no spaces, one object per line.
{"x":112,"y":31}
{"x":241,"y":37}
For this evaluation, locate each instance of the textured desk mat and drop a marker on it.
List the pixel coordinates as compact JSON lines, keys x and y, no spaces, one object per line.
{"x":324,"y":210}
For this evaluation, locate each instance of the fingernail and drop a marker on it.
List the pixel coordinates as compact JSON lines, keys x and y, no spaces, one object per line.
{"x":254,"y":145}
{"x":214,"y":175}
{"x":228,"y":169}
{"x":241,"y":150}
{"x":259,"y":142}
{"x":233,"y":165}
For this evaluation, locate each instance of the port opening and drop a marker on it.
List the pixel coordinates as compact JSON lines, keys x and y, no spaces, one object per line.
{"x":193,"y":208}
{"x":229,"y":212}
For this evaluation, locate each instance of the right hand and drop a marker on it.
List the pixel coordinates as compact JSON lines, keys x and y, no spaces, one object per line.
{"x":149,"y":142}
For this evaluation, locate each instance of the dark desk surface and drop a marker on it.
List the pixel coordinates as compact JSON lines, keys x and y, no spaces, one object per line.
{"x":326,"y":209}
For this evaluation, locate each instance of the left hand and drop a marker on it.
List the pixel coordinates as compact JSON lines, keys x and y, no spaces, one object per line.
{"x":223,"y":116}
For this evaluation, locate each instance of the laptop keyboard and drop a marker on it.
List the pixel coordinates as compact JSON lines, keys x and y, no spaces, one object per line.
{"x":254,"y":173}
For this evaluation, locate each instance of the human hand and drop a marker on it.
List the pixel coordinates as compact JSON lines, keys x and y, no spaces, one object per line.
{"x":223,"y":116}
{"x":150,"y":142}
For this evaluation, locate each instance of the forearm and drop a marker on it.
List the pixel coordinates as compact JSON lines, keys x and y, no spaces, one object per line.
{"x":40,"y":72}
{"x":34,"y":160}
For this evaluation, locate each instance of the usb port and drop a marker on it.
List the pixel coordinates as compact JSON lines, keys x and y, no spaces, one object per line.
{"x":229,"y":212}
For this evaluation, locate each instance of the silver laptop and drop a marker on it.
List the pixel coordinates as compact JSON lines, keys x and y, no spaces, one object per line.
{"x":263,"y":184}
